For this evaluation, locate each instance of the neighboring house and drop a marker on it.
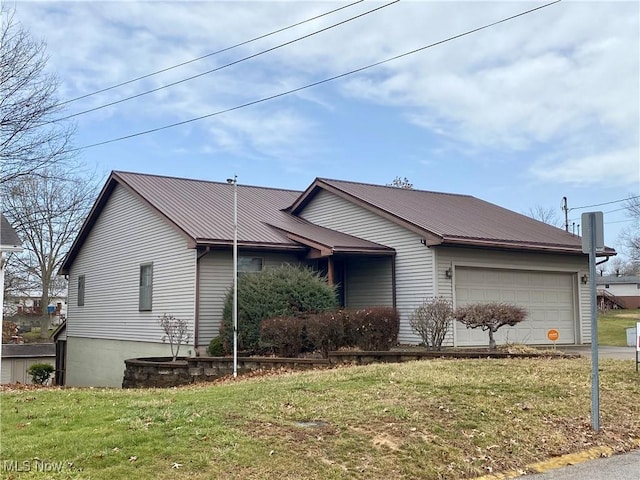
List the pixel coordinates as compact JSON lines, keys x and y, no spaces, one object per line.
{"x":29,"y":305}
{"x":16,"y":359}
{"x":153,"y":245}
{"x":9,"y":242}
{"x":618,"y":292}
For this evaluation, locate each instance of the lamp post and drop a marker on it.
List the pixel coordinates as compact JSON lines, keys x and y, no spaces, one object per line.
{"x":234,"y":182}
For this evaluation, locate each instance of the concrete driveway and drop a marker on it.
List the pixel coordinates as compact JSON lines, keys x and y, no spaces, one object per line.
{"x":615,"y":353}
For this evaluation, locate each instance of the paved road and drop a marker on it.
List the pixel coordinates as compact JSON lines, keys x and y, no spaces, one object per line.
{"x":618,"y":467}
{"x":616,"y":353}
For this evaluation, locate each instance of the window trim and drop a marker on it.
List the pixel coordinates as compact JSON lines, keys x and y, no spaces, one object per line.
{"x":82,"y":283}
{"x":145,"y":292}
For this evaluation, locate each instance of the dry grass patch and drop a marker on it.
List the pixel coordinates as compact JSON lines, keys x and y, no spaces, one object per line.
{"x":431,"y":419}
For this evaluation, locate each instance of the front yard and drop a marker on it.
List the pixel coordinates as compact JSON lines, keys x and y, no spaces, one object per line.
{"x":612,"y":326}
{"x":429,"y":419}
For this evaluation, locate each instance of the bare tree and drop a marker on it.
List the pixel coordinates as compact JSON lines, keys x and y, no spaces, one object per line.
{"x":47,"y":211}
{"x":431,"y":320}
{"x":630,"y":236}
{"x":31,"y":134}
{"x":176,"y":331}
{"x":401,"y":183}
{"x":490,"y":317}
{"x":545,"y":214}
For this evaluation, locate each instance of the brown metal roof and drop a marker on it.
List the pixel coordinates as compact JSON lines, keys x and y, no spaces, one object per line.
{"x":450,"y":219}
{"x":203,"y":212}
{"x":328,"y":240}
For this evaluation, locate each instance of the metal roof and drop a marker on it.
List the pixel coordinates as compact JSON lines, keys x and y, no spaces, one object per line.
{"x":450,"y":219}
{"x":614,"y":279}
{"x":326,"y":240}
{"x":267,"y":217}
{"x":8,"y":236}
{"x":10,"y":350}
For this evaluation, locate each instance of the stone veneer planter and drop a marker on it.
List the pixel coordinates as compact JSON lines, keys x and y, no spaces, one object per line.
{"x":162,"y":372}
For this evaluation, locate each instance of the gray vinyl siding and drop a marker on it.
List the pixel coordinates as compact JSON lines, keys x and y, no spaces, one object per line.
{"x":129,"y":233}
{"x":216,"y":278}
{"x":414,"y":261}
{"x":575,"y":264}
{"x":359,"y":291}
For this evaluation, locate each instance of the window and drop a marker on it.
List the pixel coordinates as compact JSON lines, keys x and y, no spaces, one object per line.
{"x":146,"y":287}
{"x":606,"y":285}
{"x":81,"y":290}
{"x":249,"y":264}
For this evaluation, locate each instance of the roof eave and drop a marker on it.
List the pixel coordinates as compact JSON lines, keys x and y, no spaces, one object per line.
{"x":523,"y":246}
{"x":204,"y":242}
{"x":431,"y":238}
{"x":111,"y":183}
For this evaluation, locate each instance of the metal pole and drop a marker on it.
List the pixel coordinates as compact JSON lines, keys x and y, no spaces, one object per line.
{"x":595,"y":382}
{"x":235,"y":276}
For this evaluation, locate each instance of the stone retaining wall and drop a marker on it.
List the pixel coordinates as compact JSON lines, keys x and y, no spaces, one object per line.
{"x":162,"y":372}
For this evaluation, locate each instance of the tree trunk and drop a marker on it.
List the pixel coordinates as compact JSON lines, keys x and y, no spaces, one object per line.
{"x":492,"y":341}
{"x":44,"y":315}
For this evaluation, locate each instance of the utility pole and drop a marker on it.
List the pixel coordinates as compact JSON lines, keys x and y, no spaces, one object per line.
{"x":234,"y":181}
{"x":565,"y":209}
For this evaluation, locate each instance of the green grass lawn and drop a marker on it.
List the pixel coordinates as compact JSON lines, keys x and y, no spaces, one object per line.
{"x":612,"y":326}
{"x":430,"y":419}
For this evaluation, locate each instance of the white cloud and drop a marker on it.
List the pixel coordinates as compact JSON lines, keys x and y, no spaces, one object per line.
{"x":564,"y":78}
{"x":620,"y":168}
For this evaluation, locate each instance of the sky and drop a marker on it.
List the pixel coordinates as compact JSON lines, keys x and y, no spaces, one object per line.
{"x":520,"y":114}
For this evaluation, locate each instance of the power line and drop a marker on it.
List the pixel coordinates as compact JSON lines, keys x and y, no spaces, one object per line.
{"x":605,"y":203}
{"x":606,"y":211}
{"x":217,"y":52}
{"x":320,"y":82}
{"x":223,"y":66}
{"x":621,"y":221}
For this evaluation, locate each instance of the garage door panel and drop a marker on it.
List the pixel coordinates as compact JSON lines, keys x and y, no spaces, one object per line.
{"x":548,"y":298}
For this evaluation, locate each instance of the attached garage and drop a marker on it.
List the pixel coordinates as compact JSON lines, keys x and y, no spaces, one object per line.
{"x":549,"y":297}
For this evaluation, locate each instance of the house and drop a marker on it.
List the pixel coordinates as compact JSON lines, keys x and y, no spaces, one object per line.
{"x":28,"y":305}
{"x":618,"y":291}
{"x":153,"y":245}
{"x":9,"y":242}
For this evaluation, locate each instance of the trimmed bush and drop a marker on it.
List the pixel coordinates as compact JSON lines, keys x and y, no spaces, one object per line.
{"x":325,"y":331}
{"x":215,"y":348}
{"x":40,"y":372}
{"x":490,"y":317}
{"x":284,"y":291}
{"x":431,"y":320}
{"x":373,"y":328}
{"x":284,"y":336}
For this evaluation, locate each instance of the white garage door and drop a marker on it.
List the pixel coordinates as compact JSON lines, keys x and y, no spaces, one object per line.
{"x":548,"y":298}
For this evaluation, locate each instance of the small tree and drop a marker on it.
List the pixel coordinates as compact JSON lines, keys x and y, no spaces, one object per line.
{"x":403,"y":183}
{"x":176,"y":330}
{"x":490,"y":317}
{"x":431,"y":320}
{"x":40,"y":372}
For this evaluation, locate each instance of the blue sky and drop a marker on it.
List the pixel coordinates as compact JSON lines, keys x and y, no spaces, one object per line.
{"x":520,"y":114}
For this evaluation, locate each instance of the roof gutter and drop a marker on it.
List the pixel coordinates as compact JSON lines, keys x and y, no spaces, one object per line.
{"x":536,"y":247}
